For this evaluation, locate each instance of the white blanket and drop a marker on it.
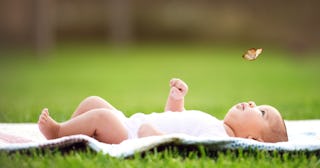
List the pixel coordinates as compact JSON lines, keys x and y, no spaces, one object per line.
{"x":303,"y":135}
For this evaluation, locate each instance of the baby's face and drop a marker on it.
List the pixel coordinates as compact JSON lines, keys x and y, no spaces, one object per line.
{"x":250,"y":121}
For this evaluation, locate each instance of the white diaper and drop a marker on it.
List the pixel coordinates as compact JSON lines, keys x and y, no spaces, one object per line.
{"x":132,"y":124}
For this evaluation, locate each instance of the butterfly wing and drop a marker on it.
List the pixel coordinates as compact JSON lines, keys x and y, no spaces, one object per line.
{"x":252,"y":54}
{"x":258,"y":52}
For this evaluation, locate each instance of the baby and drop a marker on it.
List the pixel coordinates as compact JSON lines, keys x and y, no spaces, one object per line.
{"x":97,"y":118}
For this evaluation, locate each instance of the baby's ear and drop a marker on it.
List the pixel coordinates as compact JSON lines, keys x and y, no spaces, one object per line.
{"x":254,"y":138}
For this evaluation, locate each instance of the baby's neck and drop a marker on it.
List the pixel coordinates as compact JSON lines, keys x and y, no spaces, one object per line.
{"x":228,"y":130}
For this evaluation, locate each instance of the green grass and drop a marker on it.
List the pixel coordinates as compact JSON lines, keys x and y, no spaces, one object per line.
{"x":167,"y":158}
{"x":136,"y":79}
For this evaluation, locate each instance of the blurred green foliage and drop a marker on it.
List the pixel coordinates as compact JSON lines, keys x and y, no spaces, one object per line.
{"x":136,"y":79}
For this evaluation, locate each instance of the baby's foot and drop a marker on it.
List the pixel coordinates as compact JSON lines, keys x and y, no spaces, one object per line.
{"x":178,"y":89}
{"x":48,"y":127}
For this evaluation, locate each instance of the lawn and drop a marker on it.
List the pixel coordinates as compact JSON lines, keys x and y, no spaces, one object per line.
{"x":136,"y":79}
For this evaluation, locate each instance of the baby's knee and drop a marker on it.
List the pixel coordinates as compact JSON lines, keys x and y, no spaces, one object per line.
{"x":104,"y":114}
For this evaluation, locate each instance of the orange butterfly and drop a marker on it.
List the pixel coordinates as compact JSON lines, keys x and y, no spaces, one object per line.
{"x":252,"y":54}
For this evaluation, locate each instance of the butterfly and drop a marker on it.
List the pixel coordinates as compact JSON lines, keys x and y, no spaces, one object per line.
{"x":252,"y":54}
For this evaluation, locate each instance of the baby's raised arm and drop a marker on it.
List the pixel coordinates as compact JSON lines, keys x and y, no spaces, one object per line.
{"x":175,"y":101}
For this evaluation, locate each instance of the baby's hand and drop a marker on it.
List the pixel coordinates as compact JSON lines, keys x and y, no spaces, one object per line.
{"x":178,"y":88}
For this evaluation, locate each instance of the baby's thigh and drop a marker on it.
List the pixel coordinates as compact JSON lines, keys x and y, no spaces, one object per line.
{"x":124,"y":121}
{"x":110,"y":126}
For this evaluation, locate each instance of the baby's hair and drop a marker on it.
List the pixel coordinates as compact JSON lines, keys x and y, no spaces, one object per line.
{"x":277,"y":134}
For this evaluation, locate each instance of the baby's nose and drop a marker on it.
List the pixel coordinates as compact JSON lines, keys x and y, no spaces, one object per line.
{"x":252,"y":104}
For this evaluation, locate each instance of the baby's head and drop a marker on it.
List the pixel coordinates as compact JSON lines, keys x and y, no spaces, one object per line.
{"x":262,"y":123}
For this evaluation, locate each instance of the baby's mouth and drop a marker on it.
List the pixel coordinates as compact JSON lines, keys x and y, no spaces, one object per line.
{"x":241,"y":106}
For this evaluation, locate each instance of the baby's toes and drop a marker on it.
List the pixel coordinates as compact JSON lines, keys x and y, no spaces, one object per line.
{"x":45,"y":110}
{"x":44,"y":115}
{"x":43,"y":118}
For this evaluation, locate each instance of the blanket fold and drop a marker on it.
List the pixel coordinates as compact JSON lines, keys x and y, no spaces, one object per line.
{"x":303,"y":136}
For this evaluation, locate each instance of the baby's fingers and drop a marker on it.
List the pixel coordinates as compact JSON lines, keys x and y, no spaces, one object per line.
{"x":173,"y":81}
{"x":181,"y":86}
{"x":176,"y":94}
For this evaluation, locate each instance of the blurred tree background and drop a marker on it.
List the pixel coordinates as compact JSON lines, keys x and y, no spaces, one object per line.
{"x":42,"y":24}
{"x":56,"y":52}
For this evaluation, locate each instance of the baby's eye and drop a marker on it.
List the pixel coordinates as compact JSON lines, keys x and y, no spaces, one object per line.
{"x":262,"y":112}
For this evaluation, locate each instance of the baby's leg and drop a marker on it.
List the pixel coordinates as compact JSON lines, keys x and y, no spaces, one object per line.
{"x":101,"y":124}
{"x":92,"y":102}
